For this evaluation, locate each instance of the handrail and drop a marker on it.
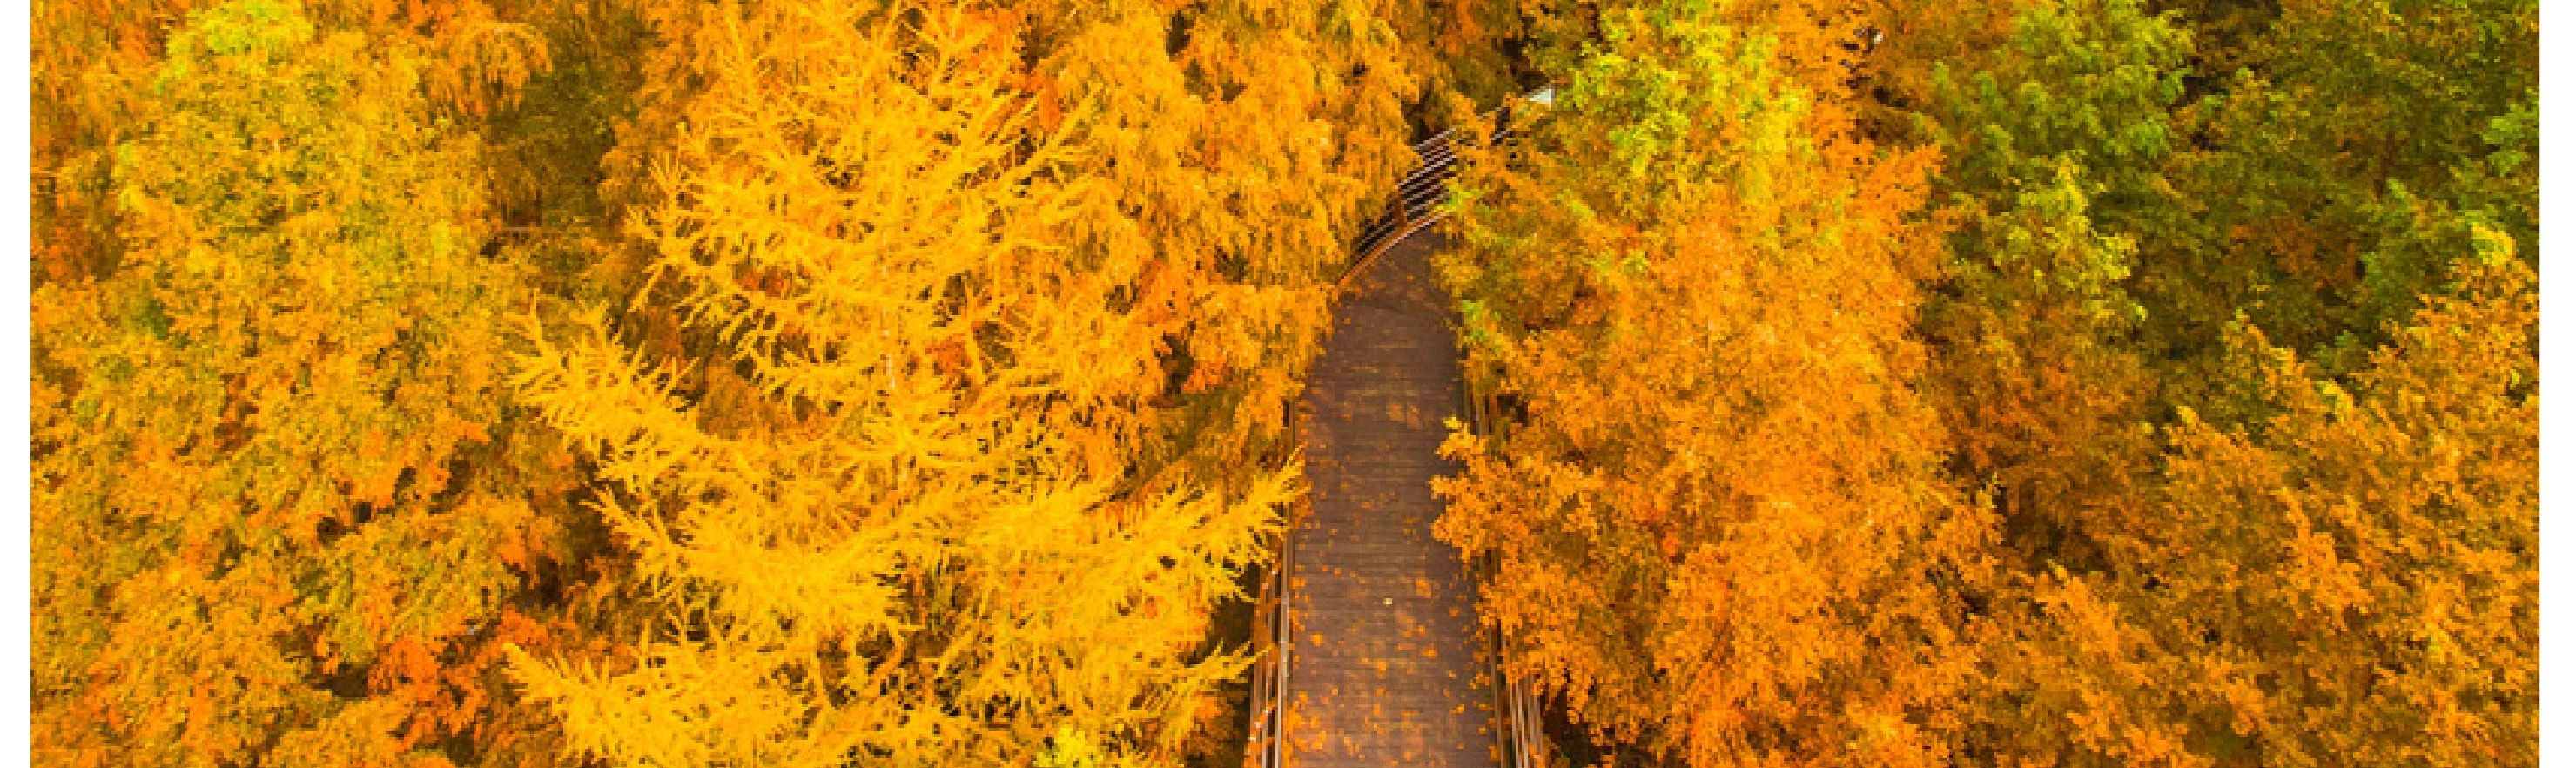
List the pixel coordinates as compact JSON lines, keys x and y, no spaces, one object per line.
{"x":1523,"y":738}
{"x":1524,"y":734}
{"x":1265,"y":744}
{"x":1416,"y":203}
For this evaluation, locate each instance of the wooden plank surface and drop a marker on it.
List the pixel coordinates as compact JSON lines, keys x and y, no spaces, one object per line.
{"x":1388,"y":668}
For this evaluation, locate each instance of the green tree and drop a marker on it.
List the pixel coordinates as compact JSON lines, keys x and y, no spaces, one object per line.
{"x":2348,"y":160}
{"x":2041,"y":379}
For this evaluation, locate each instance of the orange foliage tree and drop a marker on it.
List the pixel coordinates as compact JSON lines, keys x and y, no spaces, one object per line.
{"x":1720,"y":528}
{"x":2178,"y":598}
{"x":281,"y":514}
{"x":2352,"y":579}
{"x":93,"y":59}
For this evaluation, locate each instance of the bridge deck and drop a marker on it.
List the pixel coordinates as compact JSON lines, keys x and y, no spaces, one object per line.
{"x":1389,"y":667}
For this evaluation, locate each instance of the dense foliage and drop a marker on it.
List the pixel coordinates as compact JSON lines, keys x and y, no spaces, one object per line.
{"x":284,"y":516}
{"x":909,"y":382}
{"x":2205,"y":433}
{"x":1717,"y":507}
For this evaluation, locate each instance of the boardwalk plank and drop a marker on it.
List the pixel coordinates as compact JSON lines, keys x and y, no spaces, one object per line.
{"x":1388,"y":665}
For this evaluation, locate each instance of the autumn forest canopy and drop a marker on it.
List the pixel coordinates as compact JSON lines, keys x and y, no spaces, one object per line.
{"x":913,"y":382}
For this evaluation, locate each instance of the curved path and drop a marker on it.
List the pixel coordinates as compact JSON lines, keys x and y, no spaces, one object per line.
{"x":1390,"y":669}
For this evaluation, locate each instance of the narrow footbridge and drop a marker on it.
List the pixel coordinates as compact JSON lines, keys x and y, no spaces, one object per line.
{"x":1374,"y":654}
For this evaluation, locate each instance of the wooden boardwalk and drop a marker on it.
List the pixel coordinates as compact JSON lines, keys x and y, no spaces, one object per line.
{"x":1389,"y":667}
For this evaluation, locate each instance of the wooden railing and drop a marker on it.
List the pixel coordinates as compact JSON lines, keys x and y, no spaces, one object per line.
{"x":1419,"y":194}
{"x":1522,"y":739}
{"x":1265,"y":744}
{"x":1417,"y":204}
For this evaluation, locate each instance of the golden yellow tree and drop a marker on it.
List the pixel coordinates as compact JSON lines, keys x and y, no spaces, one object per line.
{"x":880,"y":468}
{"x":1239,"y":148}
